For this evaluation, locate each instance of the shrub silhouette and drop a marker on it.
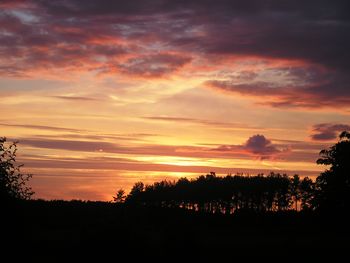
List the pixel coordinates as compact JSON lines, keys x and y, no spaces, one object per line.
{"x":120,"y":196}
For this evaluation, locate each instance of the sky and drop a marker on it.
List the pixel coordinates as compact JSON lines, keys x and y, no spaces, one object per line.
{"x":101,"y":94}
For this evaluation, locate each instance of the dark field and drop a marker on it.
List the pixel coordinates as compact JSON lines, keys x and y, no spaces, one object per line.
{"x":59,"y":230}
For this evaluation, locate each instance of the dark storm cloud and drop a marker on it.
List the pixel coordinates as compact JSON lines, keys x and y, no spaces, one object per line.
{"x":328,"y":131}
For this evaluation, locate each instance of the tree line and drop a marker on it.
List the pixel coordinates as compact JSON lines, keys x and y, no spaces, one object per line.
{"x":214,"y":194}
{"x":273,"y":192}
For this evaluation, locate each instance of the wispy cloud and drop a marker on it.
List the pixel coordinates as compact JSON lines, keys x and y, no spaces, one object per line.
{"x":75,"y":98}
{"x":256,"y":146}
{"x":124,"y":164}
{"x":41,"y":127}
{"x":195,"y":121}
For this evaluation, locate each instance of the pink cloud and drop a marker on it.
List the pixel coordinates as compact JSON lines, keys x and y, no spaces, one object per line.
{"x":123,"y":38}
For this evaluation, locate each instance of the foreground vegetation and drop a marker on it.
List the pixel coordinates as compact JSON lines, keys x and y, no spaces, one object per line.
{"x":274,"y":192}
{"x":226,"y":195}
{"x":273,"y":217}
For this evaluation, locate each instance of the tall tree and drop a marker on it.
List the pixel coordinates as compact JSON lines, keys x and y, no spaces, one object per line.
{"x":306,"y":193}
{"x":333,"y":185}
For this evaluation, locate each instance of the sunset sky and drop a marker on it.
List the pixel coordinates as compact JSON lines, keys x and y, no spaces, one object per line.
{"x":101,"y":94}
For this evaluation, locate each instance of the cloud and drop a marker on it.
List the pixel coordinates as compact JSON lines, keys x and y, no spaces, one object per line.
{"x":328,"y":131}
{"x":227,"y":27}
{"x":74,"y":98}
{"x":120,"y":164}
{"x":195,"y":121}
{"x":235,"y":151}
{"x":152,"y":66}
{"x":157,"y":38}
{"x":30,"y":41}
{"x":256,"y":145}
{"x":73,"y":145}
{"x":41,"y":127}
{"x":12,"y":3}
{"x":108,"y":147}
{"x":305,"y":87}
{"x":95,"y":136}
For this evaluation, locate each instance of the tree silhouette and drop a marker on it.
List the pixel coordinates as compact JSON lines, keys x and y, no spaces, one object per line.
{"x":333,"y":185}
{"x":273,"y":192}
{"x":226,"y":195}
{"x":135,"y":193}
{"x":295,"y":190}
{"x":307,"y":191}
{"x":12,"y":181}
{"x":120,"y":196}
